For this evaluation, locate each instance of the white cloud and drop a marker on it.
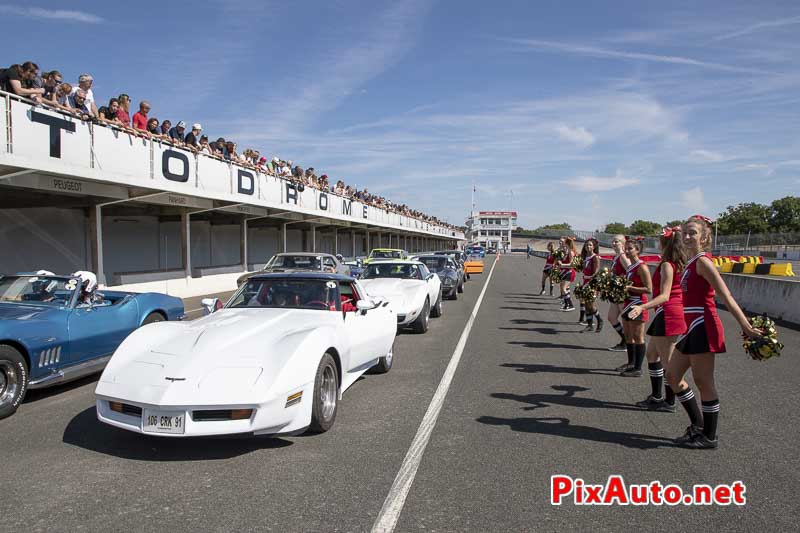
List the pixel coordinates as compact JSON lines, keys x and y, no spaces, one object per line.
{"x":51,"y":14}
{"x":694,"y":200}
{"x":758,"y":27}
{"x":594,"y":51}
{"x":600,"y":184}
{"x":706,"y":156}
{"x":580,"y":135}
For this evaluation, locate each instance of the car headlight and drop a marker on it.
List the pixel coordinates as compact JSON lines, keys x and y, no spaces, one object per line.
{"x":448,"y":281}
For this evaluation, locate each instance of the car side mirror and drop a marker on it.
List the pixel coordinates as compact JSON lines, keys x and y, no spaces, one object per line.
{"x":365,"y":305}
{"x":211,"y":305}
{"x":430,"y":276}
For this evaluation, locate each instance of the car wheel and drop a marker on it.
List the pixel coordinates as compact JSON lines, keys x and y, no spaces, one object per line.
{"x":460,"y":286}
{"x":13,"y":380}
{"x":420,"y":325}
{"x":153,"y":317}
{"x":468,"y":276}
{"x":436,"y":310}
{"x":453,"y":295}
{"x":326,"y":396}
{"x":385,"y":362}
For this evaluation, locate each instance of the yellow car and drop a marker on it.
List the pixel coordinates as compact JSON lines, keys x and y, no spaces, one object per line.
{"x":385,"y":254}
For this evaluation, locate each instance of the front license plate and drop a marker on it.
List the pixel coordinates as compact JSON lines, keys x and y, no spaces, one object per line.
{"x":164,"y":422}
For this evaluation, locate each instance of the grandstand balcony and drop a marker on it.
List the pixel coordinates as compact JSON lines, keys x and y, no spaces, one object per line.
{"x":138,"y":211}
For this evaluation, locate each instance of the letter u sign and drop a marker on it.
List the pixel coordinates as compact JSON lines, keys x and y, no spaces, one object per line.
{"x":182,"y":176}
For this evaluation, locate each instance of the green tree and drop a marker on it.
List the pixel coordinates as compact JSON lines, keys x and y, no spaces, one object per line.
{"x":644,"y":227}
{"x":616,"y":228}
{"x":673,"y":223}
{"x":784,"y":215}
{"x":563,"y":226}
{"x":744,"y":218}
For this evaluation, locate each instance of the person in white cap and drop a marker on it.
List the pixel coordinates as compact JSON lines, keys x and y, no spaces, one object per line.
{"x":176,"y":132}
{"x":193,"y":137}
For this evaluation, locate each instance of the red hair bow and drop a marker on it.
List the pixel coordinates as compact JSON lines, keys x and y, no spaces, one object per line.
{"x":667,"y":231}
{"x":703,"y":218}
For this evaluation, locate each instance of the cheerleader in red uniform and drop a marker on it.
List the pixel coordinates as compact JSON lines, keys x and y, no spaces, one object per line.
{"x":567,"y":273}
{"x":548,"y":267}
{"x":591,"y":266}
{"x":639,"y":274}
{"x":668,"y":320}
{"x":618,"y":266}
{"x":704,"y":337}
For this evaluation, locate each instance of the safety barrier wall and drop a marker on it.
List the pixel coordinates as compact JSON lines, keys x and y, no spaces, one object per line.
{"x":776,"y":297}
{"x":38,"y":138}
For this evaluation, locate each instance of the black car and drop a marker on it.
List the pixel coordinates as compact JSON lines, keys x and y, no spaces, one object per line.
{"x":459,"y":257}
{"x":450,"y":275}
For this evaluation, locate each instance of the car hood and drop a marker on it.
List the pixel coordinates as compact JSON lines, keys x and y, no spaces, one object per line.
{"x":23,"y":312}
{"x":399,"y":292}
{"x":225,"y":355}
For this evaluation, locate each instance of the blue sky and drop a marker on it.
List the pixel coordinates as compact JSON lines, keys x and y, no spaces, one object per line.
{"x":588,"y":112}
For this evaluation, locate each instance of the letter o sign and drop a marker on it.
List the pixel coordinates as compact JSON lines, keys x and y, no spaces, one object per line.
{"x":323,"y":201}
{"x":183,"y":175}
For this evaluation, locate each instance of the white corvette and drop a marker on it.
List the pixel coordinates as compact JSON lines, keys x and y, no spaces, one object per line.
{"x":274,"y":360}
{"x":413,"y":291}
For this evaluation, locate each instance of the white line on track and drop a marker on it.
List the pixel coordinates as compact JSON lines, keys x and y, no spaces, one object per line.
{"x":393,"y":505}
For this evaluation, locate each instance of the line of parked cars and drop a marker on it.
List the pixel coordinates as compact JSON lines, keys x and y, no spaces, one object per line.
{"x":275,"y":359}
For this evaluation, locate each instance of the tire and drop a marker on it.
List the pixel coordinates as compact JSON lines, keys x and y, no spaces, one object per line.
{"x":460,"y":286}
{"x":155,"y":316}
{"x":436,"y":310}
{"x":453,"y":295}
{"x":420,"y":325}
{"x":385,"y":362}
{"x":326,"y":396}
{"x":13,"y":380}
{"x":469,"y":277}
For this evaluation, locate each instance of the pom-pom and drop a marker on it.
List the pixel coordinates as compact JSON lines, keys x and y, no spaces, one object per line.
{"x":767,"y":346}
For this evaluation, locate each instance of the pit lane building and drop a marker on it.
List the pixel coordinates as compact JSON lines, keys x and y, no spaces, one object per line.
{"x":491,"y":229}
{"x":145,"y":215}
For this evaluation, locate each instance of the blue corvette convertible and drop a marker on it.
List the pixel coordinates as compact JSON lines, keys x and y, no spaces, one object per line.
{"x":51,"y":331}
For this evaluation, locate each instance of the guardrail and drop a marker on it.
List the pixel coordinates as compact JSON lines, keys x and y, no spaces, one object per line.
{"x":48,"y":140}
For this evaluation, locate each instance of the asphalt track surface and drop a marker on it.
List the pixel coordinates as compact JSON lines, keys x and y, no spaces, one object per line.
{"x":531,"y":397}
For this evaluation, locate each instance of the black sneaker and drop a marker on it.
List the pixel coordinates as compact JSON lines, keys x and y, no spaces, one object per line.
{"x":691,"y":432}
{"x":623,"y":367}
{"x":651,"y":402}
{"x":618,"y":347}
{"x":701,"y":442}
{"x":666,"y":407}
{"x":631,"y":373}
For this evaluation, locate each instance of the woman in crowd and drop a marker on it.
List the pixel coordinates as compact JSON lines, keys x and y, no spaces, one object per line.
{"x":123,"y":113}
{"x":639,"y":274}
{"x":548,"y":267}
{"x":618,"y":267}
{"x":567,"y":272}
{"x":668,"y":321}
{"x":591,"y":266}
{"x":704,"y":337}
{"x":153,"y":129}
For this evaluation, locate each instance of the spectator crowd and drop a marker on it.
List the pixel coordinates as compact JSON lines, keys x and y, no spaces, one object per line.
{"x":49,"y":89}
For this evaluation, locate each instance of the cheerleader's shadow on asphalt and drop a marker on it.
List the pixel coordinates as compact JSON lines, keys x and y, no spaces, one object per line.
{"x":85,"y":431}
{"x":526,"y":308}
{"x":561,"y":427}
{"x":544,"y":331}
{"x":556,"y":346}
{"x":569,"y":399}
{"x":535,"y":368}
{"x":527,"y":321}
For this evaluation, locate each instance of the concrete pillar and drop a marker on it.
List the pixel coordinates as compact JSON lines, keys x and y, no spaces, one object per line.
{"x":313,"y":238}
{"x":353,"y":242}
{"x":96,"y":238}
{"x":368,"y":247}
{"x":243,"y":245}
{"x":335,"y":240}
{"x":284,"y":236}
{"x":186,"y":241}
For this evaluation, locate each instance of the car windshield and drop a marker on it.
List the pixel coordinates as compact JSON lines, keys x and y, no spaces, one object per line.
{"x":306,"y":262}
{"x":392,"y":270}
{"x":45,"y":290}
{"x":387,"y":254}
{"x":290,"y":293}
{"x":434,"y":264}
